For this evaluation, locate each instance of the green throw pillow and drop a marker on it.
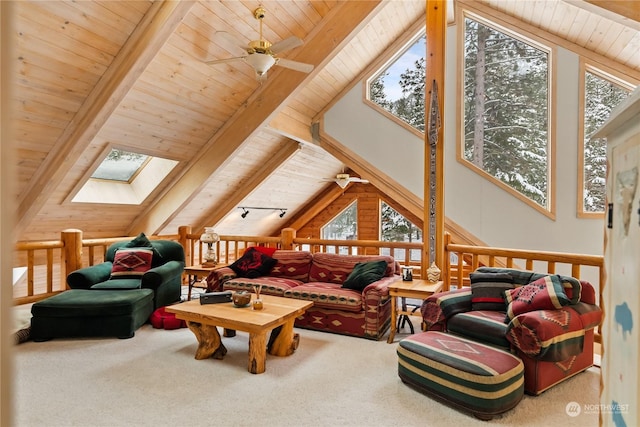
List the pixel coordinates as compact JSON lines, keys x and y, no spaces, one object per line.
{"x":142,"y":241}
{"x":365,"y":273}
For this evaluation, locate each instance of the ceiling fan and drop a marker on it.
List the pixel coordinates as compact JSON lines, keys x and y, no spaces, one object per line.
{"x":261,"y":54}
{"x":343,"y":179}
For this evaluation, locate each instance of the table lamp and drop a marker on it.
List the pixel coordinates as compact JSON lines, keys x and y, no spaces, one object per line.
{"x":209,"y":237}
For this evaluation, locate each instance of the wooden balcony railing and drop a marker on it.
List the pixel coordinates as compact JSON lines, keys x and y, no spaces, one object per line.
{"x":467,"y":258}
{"x":47,"y":264}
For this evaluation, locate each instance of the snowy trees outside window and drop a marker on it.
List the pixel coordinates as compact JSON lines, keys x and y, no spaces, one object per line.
{"x":506,"y":96}
{"x":601,"y":96}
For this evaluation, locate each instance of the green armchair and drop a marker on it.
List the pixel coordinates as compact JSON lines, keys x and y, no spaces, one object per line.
{"x":164,"y":277}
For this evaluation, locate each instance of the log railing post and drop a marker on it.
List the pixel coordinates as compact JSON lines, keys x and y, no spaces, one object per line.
{"x":446,"y":268}
{"x":288,"y":235}
{"x":183,"y":232}
{"x":72,"y":249}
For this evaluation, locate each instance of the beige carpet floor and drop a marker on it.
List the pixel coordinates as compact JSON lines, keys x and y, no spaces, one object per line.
{"x":331,"y":380}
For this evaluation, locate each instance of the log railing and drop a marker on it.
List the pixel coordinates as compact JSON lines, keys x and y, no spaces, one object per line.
{"x":460,"y":260}
{"x":46,"y":264}
{"x":44,"y":276}
{"x":230,"y":248}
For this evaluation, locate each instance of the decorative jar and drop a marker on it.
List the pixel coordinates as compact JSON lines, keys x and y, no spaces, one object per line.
{"x":433,"y":273}
{"x":241,"y":298}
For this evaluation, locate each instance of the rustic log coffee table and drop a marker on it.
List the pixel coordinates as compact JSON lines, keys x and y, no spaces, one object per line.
{"x":277,"y":316}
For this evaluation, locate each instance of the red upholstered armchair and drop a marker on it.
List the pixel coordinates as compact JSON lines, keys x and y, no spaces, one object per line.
{"x":546,"y":320}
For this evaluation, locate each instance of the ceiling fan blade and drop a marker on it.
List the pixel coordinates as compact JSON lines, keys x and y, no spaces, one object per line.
{"x":360,"y":180}
{"x":231,"y":43}
{"x":286,"y":44}
{"x":294,"y":65}
{"x":223,"y":61}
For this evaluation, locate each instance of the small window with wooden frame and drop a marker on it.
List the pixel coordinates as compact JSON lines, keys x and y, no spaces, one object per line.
{"x":601,"y":90}
{"x":396,"y":87}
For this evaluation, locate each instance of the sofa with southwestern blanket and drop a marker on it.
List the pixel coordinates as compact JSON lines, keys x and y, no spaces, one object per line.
{"x":350,"y":292}
{"x":546,"y":320}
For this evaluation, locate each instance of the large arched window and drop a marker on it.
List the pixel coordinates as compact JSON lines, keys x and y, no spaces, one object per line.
{"x":601,"y":92}
{"x":505,"y":89}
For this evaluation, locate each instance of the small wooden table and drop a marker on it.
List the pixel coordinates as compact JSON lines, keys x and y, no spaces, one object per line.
{"x":195,"y":273}
{"x":278,"y":316}
{"x":417,"y":288}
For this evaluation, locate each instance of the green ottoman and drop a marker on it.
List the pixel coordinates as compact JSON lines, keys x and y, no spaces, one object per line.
{"x":475,"y":377}
{"x":91,"y":313}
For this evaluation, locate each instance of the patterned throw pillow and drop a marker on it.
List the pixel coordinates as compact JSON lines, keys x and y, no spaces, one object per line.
{"x":142,"y":241}
{"x":487,"y":290}
{"x":365,"y":273}
{"x":131,"y":263}
{"x":253,"y":264}
{"x":292,"y":264}
{"x":546,"y":293}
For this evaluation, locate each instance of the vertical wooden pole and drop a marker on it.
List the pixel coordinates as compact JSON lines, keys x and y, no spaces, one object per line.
{"x":436,"y":26}
{"x":288,"y":234}
{"x":72,"y":240}
{"x":183,"y":239}
{"x":183,"y":232}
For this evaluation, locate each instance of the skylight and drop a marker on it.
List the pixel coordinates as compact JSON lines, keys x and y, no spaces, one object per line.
{"x":122,"y":177}
{"x":120,"y":165}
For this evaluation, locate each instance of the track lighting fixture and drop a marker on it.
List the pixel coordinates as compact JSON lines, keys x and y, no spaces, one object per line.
{"x":245,"y":210}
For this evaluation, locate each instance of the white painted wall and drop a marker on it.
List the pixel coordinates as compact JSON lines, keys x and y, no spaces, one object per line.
{"x":381,"y":142}
{"x":485,"y":210}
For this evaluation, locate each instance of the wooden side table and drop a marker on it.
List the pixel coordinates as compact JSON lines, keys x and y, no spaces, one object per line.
{"x":418,"y":289}
{"x":195,"y":273}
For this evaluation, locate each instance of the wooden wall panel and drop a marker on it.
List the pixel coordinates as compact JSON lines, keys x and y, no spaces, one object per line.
{"x":369,"y":199}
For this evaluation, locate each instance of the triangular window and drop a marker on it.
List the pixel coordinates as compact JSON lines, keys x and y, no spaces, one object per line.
{"x":398,"y":88}
{"x":343,"y":226}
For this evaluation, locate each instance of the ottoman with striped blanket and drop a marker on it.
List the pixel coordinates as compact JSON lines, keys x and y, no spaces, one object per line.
{"x":466,"y":374}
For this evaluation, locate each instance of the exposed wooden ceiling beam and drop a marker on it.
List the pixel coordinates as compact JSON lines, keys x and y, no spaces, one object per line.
{"x":149,"y":36}
{"x":321,"y":45}
{"x":285,"y":125}
{"x":623,"y":12}
{"x":628,"y":9}
{"x":386,"y":185}
{"x":276,"y":160}
{"x":315,"y":206}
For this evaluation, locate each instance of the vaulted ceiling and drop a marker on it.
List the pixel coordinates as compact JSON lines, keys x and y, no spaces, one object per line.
{"x":90,"y":75}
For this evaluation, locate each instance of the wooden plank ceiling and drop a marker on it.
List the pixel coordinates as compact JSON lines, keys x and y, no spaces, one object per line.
{"x":131,"y":74}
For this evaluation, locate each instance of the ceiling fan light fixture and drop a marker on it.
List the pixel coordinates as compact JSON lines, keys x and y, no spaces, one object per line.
{"x":342,"y":182}
{"x":261,"y":62}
